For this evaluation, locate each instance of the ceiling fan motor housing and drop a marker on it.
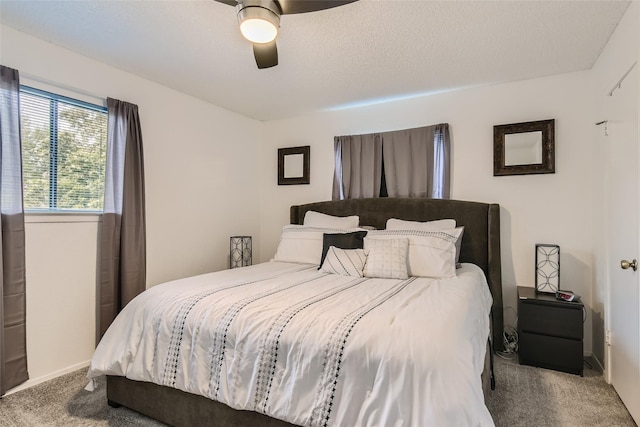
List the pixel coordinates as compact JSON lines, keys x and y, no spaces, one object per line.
{"x":267,"y":10}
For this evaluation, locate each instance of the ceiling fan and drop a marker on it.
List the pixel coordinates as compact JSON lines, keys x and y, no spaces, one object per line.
{"x":260,"y":20}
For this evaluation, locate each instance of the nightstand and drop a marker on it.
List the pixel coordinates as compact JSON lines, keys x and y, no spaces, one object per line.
{"x":550,"y":331}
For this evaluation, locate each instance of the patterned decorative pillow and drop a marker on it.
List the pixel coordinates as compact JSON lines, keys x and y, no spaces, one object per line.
{"x":345,"y":262}
{"x":387,"y":258}
{"x":353,"y":240}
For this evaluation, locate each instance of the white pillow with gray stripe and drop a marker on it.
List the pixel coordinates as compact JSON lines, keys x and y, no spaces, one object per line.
{"x":299,"y":243}
{"x":431,"y":253}
{"x":345,"y":262}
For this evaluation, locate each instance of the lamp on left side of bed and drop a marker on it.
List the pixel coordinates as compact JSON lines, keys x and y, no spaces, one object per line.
{"x":239,"y":251}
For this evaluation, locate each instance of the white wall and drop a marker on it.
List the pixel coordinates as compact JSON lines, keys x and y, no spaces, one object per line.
{"x":622,"y":50}
{"x":200,"y":188}
{"x":60,"y":275}
{"x":552,"y":208}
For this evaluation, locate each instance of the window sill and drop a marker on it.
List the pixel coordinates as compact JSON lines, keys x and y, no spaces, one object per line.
{"x":61,"y":217}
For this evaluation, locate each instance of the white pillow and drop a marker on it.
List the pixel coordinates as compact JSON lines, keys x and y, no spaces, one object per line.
{"x":345,"y":262}
{"x":387,"y":258}
{"x":317,"y":219}
{"x":431,"y":253}
{"x":299,"y":243}
{"x":437,"y":225}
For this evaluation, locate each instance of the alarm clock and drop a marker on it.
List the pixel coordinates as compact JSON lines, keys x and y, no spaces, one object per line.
{"x":566,"y":295}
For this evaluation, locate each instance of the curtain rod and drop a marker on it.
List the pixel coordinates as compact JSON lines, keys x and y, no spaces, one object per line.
{"x":101,"y":99}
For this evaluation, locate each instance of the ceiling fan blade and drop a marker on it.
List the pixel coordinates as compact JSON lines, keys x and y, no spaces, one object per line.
{"x":229,"y":2}
{"x":289,"y":7}
{"x":266,"y":54}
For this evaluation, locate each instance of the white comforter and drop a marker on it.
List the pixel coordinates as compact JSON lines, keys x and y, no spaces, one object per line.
{"x":312,"y":348}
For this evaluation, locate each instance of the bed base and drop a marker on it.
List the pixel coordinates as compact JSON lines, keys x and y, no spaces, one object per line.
{"x":179,"y":408}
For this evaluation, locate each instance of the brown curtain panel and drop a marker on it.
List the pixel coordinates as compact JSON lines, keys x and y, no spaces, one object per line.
{"x":13,"y":336}
{"x":122,"y":243}
{"x":416,"y":162}
{"x":358,"y":171}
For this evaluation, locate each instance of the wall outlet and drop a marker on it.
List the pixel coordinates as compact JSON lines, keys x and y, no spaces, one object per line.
{"x":607,"y":337}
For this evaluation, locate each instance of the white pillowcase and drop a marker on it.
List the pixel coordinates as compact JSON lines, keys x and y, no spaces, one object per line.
{"x":317,"y":219}
{"x":437,"y":225}
{"x":387,"y":258}
{"x":345,"y":262}
{"x":431,"y":253}
{"x":299,"y":243}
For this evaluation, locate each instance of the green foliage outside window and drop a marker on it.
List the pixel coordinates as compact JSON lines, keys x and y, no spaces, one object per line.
{"x":63,"y":153}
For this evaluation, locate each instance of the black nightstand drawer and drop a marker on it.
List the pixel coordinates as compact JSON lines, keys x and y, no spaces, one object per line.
{"x":556,"y":321}
{"x":549,"y":352}
{"x":550,"y":331}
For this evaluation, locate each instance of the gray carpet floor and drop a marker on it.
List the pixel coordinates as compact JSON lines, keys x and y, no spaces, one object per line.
{"x":64,"y":402}
{"x":524,"y":396}
{"x":527,"y":396}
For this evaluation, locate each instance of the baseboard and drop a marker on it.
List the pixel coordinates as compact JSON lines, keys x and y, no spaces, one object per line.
{"x":35,"y":381}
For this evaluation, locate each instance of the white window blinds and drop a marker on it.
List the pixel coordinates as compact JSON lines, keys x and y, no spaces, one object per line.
{"x":63,"y":152}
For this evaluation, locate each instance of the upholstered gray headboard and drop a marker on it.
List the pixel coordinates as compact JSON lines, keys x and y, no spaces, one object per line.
{"x":480,"y":242}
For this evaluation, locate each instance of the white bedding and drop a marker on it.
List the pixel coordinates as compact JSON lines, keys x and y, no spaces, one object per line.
{"x":312,"y":348}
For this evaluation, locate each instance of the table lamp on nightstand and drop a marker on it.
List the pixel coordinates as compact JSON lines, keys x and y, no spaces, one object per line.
{"x":239,"y":251}
{"x":547,"y":268}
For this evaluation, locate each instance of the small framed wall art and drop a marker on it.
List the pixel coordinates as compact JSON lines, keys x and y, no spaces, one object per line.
{"x":547,"y":268}
{"x":293,"y":165}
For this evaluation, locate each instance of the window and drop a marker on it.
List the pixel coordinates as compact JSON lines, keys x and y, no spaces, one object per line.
{"x":63,"y":152}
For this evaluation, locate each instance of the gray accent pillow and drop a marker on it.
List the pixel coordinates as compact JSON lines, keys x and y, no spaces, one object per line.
{"x":459,"y":246}
{"x":353,"y":240}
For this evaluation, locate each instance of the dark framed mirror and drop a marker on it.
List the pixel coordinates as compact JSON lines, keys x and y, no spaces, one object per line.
{"x":524,"y":148}
{"x":293,"y":165}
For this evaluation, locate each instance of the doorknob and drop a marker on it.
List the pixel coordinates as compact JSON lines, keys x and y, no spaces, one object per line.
{"x":626,"y":264}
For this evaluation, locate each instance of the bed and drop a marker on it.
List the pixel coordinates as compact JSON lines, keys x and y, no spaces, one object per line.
{"x":328,"y":384}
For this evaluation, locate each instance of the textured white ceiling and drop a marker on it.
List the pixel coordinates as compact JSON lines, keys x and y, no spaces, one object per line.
{"x":365,"y":52}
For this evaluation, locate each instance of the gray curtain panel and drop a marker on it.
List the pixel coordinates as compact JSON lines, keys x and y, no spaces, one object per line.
{"x":13,"y":336}
{"x":416,"y":163}
{"x":358,"y":172}
{"x":122,"y":243}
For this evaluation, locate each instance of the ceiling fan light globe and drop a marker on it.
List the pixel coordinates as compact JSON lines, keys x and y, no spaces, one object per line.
{"x":259,"y":21}
{"x":258,"y":30}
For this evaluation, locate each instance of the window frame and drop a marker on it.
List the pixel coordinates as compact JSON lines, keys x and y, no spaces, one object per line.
{"x":53,"y":150}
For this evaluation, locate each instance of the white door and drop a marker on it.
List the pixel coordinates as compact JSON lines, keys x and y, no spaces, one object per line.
{"x":624,"y":241}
